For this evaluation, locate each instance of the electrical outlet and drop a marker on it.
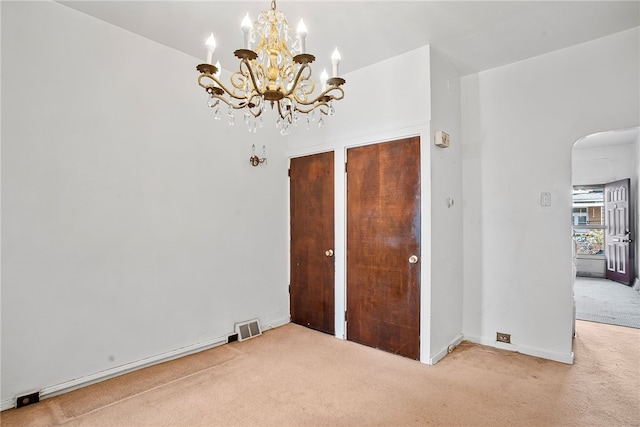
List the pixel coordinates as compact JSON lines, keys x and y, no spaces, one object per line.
{"x":502,"y":337}
{"x":28,"y":399}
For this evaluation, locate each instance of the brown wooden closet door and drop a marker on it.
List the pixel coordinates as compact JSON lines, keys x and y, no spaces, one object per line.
{"x":383,"y":233}
{"x":312,"y":238}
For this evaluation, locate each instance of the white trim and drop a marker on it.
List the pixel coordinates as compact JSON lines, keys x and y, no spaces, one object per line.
{"x":442,"y":353}
{"x":340,"y":241}
{"x":77,"y":383}
{"x":130,"y":367}
{"x":275,"y":323}
{"x":529,"y":351}
{"x":7,"y":404}
{"x":588,"y":256}
{"x":97,"y":377}
{"x":357,"y":139}
{"x":425,"y":243}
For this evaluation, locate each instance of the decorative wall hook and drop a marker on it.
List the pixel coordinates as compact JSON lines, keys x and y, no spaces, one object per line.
{"x":255,"y":160}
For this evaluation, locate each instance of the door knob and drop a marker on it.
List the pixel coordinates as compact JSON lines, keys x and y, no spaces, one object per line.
{"x":329,"y":252}
{"x":413,"y":259}
{"x":627,"y":240}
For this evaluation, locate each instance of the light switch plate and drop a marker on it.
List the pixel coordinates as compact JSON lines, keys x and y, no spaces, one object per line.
{"x":545,"y":199}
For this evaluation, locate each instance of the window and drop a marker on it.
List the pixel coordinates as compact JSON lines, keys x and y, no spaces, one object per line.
{"x":580,"y":216}
{"x":588,"y":220}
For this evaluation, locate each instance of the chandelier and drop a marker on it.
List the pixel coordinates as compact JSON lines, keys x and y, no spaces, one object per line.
{"x":276,"y":74}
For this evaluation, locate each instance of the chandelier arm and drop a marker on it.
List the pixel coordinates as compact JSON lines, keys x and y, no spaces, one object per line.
{"x":256,"y":110}
{"x":333,"y":97}
{"x":223,"y":99}
{"x":294,"y":85}
{"x":324,"y":97}
{"x":220,"y":85}
{"x":322,"y":107}
{"x":256,"y":89}
{"x":288,"y":116}
{"x":280,"y":111}
{"x":226,"y":101}
{"x":230,"y":103}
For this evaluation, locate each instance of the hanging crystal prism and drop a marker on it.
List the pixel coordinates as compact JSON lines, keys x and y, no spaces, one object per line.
{"x":232,"y":119}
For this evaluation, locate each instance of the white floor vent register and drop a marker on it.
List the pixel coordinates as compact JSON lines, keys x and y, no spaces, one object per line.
{"x":248,"y":329}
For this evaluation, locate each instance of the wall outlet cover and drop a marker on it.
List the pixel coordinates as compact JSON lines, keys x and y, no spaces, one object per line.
{"x":27,"y":399}
{"x":502,"y":337}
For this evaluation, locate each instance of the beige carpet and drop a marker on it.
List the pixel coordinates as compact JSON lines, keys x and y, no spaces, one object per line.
{"x":293,"y":376}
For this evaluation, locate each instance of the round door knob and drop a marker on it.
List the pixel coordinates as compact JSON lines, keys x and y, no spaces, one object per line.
{"x":329,"y":252}
{"x":413,"y":259}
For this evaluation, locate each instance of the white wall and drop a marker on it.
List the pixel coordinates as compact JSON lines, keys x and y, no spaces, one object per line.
{"x":371,"y":110}
{"x":446,"y":218}
{"x":519,"y":124}
{"x":600,"y":165}
{"x":133,"y":227}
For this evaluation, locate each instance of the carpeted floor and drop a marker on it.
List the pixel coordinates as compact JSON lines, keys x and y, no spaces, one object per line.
{"x":606,"y":301}
{"x":293,"y":376}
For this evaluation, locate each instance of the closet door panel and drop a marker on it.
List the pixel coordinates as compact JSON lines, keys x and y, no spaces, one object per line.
{"x":383,"y":246}
{"x":312,"y":287}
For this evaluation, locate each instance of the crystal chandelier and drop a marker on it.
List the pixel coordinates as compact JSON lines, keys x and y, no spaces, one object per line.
{"x":273,"y":74}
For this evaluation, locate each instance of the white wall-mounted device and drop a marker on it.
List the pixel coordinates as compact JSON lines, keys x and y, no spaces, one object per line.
{"x":545,"y":199}
{"x":441,"y":139}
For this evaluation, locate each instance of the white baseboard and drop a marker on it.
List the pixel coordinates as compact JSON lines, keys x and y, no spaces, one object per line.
{"x":7,"y":404}
{"x":443,"y":352}
{"x":275,"y":323}
{"x":77,"y":383}
{"x":530,"y":351}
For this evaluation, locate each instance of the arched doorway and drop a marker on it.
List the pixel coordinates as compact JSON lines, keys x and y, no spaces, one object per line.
{"x":598,"y":159}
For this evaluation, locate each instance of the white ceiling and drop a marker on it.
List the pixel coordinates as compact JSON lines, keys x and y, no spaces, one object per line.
{"x":476,"y":35}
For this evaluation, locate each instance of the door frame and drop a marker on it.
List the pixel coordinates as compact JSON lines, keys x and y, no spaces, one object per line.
{"x":340,"y":146}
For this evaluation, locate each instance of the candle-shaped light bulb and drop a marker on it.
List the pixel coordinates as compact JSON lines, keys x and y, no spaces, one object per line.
{"x":211,"y":47}
{"x":247,"y":26}
{"x":323,"y":79}
{"x":335,"y":61}
{"x":302,"y":36}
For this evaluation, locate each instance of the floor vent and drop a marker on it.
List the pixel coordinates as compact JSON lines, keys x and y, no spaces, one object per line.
{"x":248,"y":329}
